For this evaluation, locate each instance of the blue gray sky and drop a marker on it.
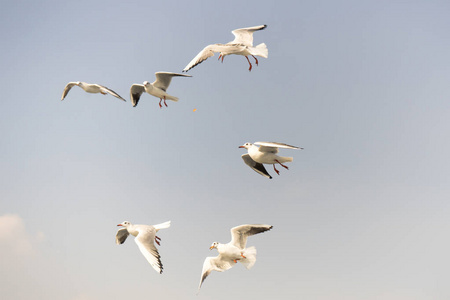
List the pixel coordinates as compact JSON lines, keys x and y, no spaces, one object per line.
{"x":362,"y":213}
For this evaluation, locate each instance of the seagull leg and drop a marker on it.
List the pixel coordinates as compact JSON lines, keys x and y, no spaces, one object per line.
{"x":278,"y":172}
{"x":160,"y":99}
{"x":220,"y":55}
{"x":165,"y":101}
{"x":256,"y":60}
{"x":103,"y":93}
{"x":249,"y":63}
{"x":235,"y":261}
{"x":282,"y":165}
{"x":243,"y":255}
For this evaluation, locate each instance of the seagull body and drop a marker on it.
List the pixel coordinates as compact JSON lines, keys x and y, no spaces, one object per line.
{"x":234,"y":251}
{"x":145,"y":235}
{"x":90,"y":88}
{"x":266,"y":153}
{"x":158,"y":88}
{"x":241,"y":45}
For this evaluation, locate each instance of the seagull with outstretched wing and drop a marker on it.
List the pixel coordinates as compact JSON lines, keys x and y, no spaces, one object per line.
{"x":158,"y":88}
{"x":145,"y":236}
{"x":241,"y":45}
{"x":234,"y":251}
{"x":90,"y":88}
{"x":260,"y":153}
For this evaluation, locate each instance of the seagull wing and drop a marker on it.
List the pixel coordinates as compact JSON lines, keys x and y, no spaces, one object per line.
{"x":276,"y":145}
{"x":110,"y":91}
{"x":218,"y":263}
{"x":145,"y":240}
{"x":163,"y":79}
{"x":121,"y":236}
{"x":67,"y":89}
{"x":244,"y":36}
{"x":257,"y":167}
{"x":239,"y":234}
{"x":208,"y":51}
{"x":136,"y":91}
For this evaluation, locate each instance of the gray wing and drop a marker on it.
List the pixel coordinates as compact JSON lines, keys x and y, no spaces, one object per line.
{"x":257,"y":167}
{"x":218,"y":263}
{"x":136,"y":91}
{"x":145,"y":240}
{"x":121,"y":236}
{"x":245,"y":35}
{"x":110,"y":91}
{"x":163,"y":79}
{"x":67,"y":89}
{"x":239,"y":234}
{"x":272,"y":147}
{"x":203,"y":55}
{"x":276,"y":145}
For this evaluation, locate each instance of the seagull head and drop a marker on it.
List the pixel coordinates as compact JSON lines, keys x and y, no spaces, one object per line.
{"x":124,"y":224}
{"x":246,"y":145}
{"x":146,"y":83}
{"x":214,"y":245}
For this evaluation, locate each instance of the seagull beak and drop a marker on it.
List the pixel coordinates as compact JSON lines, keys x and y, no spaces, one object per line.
{"x":241,"y":147}
{"x":119,"y":225}
{"x":210,"y":248}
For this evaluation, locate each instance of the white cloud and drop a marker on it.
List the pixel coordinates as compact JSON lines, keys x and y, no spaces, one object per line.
{"x":14,"y":238}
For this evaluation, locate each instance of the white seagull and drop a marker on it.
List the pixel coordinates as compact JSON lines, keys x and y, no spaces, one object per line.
{"x":234,"y":251}
{"x":158,"y":88}
{"x":145,"y":235}
{"x":266,"y":153}
{"x":241,"y":45}
{"x":90,"y":88}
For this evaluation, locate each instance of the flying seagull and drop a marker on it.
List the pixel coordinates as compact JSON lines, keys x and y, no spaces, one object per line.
{"x":241,"y":45}
{"x":90,"y":88}
{"x":145,"y":235}
{"x":234,"y":251}
{"x":266,"y":153}
{"x":158,"y":88}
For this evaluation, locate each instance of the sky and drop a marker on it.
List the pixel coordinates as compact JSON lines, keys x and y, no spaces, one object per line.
{"x":362,"y":212}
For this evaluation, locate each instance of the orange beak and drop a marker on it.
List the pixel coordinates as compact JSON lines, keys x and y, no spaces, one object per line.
{"x":120,"y":225}
{"x":241,"y":147}
{"x":210,"y":248}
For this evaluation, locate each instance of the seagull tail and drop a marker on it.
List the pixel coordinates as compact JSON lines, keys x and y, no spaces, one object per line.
{"x":283,"y":159}
{"x":250,"y":254}
{"x":261,"y":50}
{"x":162,"y":225}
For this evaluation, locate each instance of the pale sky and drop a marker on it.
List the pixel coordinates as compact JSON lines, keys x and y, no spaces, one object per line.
{"x":362,"y":212}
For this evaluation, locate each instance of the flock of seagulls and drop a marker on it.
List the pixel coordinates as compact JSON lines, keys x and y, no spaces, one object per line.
{"x":259,"y":153}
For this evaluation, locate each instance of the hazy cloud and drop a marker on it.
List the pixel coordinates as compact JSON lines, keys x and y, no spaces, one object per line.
{"x":14,"y":238}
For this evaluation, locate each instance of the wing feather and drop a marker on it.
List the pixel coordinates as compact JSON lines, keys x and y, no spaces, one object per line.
{"x":244,"y":36}
{"x":257,"y":167}
{"x":111,"y":92}
{"x":163,"y":79}
{"x":136,"y":91}
{"x":218,"y":263}
{"x":67,"y":89}
{"x":239,"y":234}
{"x":145,"y":241}
{"x":203,"y":55}
{"x":121,"y":236}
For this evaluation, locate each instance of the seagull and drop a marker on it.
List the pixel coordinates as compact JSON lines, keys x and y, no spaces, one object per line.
{"x":158,"y":88}
{"x":145,"y":235}
{"x":241,"y":45}
{"x":234,"y":251}
{"x":90,"y":88}
{"x":266,"y":153}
